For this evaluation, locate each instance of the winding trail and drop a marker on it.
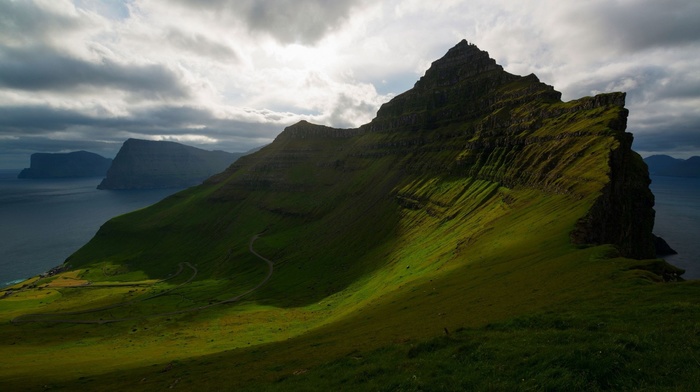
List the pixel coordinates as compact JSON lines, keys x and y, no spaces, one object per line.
{"x":47,"y":317}
{"x":270,"y":270}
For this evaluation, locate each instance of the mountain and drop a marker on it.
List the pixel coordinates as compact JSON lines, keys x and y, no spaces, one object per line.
{"x":478,"y":234}
{"x":147,"y":164}
{"x":64,"y":165}
{"x":664,"y":165}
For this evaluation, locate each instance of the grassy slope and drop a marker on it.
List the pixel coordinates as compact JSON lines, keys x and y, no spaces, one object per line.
{"x":528,"y":312}
{"x":375,"y":258}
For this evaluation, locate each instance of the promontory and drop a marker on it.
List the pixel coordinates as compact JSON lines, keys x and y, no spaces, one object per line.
{"x":65,"y":165}
{"x":148,"y":164}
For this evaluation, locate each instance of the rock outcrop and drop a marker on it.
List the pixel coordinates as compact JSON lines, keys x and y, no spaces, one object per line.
{"x":146,"y":164}
{"x":662,"y":247}
{"x":66,"y":165}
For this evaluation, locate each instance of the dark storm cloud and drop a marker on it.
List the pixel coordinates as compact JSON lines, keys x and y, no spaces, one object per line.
{"x":26,"y":146}
{"x":39,"y":68}
{"x":643,"y":84}
{"x":674,"y":142}
{"x":36,"y":126}
{"x":24,"y":21}
{"x":640,"y":25}
{"x":31,"y":120}
{"x":670,"y":132}
{"x":15,"y":153}
{"x":158,"y":120}
{"x":651,"y":23}
{"x":28,"y":129}
{"x":303,"y":21}
{"x":183,"y":120}
{"x":200,"y":45}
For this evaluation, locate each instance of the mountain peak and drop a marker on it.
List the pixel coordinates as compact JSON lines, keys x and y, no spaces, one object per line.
{"x":463,"y":85}
{"x":303,"y":129}
{"x":463,"y":60}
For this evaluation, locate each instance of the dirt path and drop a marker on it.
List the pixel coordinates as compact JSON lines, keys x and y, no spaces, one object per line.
{"x":47,"y":317}
{"x":270,"y":270}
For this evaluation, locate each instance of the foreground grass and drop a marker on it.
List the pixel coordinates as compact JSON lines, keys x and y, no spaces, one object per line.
{"x":585,"y":350}
{"x":625,"y":343}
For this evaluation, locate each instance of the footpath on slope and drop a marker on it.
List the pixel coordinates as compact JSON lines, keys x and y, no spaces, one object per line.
{"x":47,"y":317}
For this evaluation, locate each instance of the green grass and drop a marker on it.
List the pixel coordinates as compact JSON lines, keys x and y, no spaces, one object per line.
{"x":490,"y":272}
{"x":403,"y":261}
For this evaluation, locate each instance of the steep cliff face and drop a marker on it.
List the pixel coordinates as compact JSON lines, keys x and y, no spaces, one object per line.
{"x":60,"y":165}
{"x":623,"y":214}
{"x":144,"y":164}
{"x":469,"y":118}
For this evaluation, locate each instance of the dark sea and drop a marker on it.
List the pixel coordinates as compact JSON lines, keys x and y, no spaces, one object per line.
{"x":678,"y":220}
{"x":42,"y":222}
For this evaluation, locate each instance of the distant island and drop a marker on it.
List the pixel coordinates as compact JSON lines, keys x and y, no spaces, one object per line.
{"x":664,"y":165}
{"x":66,"y":165}
{"x":148,"y":164}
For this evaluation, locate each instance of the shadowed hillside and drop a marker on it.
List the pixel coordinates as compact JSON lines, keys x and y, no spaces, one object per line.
{"x":478,"y":234}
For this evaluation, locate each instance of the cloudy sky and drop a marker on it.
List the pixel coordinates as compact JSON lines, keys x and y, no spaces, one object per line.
{"x":230,"y":75}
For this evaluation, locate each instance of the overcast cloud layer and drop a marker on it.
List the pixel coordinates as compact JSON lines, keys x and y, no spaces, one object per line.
{"x":230,"y":75}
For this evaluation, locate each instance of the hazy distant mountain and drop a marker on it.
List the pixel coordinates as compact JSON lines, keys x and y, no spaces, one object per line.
{"x":64,"y":165}
{"x":664,"y":165}
{"x":147,"y":164}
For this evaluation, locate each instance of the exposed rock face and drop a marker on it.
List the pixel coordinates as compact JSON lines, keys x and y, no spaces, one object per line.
{"x":468,"y":118}
{"x":664,"y":165}
{"x":662,"y":247}
{"x":72,"y":164}
{"x":623,"y":214}
{"x":146,"y":164}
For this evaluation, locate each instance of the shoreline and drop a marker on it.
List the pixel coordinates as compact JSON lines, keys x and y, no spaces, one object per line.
{"x":10,"y":283}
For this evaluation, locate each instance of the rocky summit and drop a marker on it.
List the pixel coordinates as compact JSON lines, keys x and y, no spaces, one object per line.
{"x":478,"y":234}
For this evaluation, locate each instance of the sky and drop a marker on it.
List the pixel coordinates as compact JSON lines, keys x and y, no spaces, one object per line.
{"x":230,"y":75}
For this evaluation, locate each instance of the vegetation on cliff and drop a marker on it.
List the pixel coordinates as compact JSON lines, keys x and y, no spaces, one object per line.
{"x":479,"y":234}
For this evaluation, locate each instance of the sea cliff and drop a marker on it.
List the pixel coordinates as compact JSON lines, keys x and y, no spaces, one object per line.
{"x":65,"y":165}
{"x":146,"y":164}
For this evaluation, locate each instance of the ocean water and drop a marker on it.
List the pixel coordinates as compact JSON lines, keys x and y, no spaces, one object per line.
{"x":678,"y":220}
{"x":42,"y":222}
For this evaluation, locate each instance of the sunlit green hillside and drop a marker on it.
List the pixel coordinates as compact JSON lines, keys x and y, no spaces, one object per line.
{"x":479,"y":234}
